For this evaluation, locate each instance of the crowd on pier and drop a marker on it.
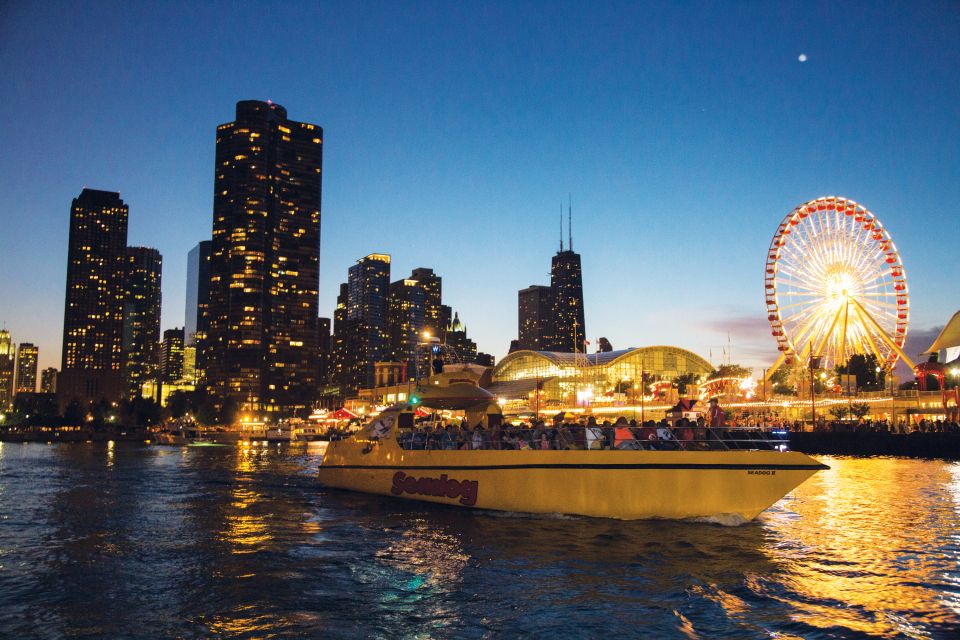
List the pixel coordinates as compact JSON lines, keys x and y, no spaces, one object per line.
{"x":886,"y":426}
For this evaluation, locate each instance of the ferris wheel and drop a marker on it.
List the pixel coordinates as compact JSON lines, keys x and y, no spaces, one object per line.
{"x":835,"y":286}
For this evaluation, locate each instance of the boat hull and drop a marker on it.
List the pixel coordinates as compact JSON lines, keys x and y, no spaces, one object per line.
{"x":727,"y":486}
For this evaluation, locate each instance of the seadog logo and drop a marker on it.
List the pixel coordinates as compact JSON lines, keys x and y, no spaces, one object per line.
{"x":466,"y":490}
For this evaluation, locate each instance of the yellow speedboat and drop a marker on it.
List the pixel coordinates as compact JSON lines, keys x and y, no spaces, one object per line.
{"x":729,"y":486}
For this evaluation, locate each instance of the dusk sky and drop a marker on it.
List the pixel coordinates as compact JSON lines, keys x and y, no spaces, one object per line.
{"x":453,"y":131}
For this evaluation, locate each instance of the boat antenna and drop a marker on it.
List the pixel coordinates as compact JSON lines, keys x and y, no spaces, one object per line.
{"x":570,"y":221}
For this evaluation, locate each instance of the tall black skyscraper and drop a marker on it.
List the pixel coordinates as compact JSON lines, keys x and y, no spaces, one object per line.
{"x":551,"y":319}
{"x":264,"y":263}
{"x":196,"y":320}
{"x":93,"y":312}
{"x":566,"y":285}
{"x":535,"y":318}
{"x":141,"y":318}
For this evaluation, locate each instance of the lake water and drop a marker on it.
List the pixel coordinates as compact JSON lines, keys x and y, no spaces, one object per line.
{"x":128,"y":541}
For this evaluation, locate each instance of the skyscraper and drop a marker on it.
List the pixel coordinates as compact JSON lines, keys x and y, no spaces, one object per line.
{"x":48,"y":380}
{"x":368,"y":287}
{"x":535,"y":318}
{"x":553,"y":319}
{"x":27,"y":356}
{"x":7,"y":366}
{"x":171,"y":355}
{"x":406,"y":308}
{"x":141,"y":318}
{"x":566,"y":285}
{"x":347,"y":369}
{"x":264,"y":260}
{"x":324,"y":350}
{"x":197,"y":307}
{"x":93,"y":312}
{"x":432,"y":286}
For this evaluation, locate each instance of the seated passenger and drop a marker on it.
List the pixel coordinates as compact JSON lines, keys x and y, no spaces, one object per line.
{"x":419,"y":440}
{"x":622,"y":436}
{"x":447,"y":439}
{"x":477,"y":441}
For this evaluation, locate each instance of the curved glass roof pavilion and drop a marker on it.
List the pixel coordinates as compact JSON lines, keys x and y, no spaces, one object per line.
{"x":563,"y":375}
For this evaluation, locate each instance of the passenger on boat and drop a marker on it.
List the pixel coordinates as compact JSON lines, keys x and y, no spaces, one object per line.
{"x":648,"y":432}
{"x":718,"y":417}
{"x":622,"y":436}
{"x":477,"y":439}
{"x":447,"y":439}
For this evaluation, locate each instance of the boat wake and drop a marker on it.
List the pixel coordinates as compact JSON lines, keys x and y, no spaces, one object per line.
{"x":722,"y":519}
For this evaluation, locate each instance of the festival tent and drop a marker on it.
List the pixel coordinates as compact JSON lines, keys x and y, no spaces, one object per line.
{"x":949,"y":337}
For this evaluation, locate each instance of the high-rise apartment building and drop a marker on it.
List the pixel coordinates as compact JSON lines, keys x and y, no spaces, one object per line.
{"x":432,"y":286}
{"x":7,"y":369}
{"x":261,"y":350}
{"x":406,"y":321}
{"x":27,"y":357}
{"x":368,"y":287}
{"x":48,"y":380}
{"x":93,"y":312}
{"x":171,"y":356}
{"x":141,"y":318}
{"x":347,"y":368}
{"x":535,"y":318}
{"x":324,"y":350}
{"x":197,"y":307}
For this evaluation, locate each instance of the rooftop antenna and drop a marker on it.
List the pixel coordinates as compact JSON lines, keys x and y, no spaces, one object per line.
{"x":561,"y":226}
{"x":569,"y":221}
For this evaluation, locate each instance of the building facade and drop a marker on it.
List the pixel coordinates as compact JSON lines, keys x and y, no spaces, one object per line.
{"x":261,"y":351}
{"x":368,"y":290}
{"x":535,"y":318}
{"x":141,"y":318}
{"x":27,"y":357}
{"x":7,"y":369}
{"x":197,"y":307}
{"x":406,"y":320}
{"x":432,"y":286}
{"x":566,"y":286}
{"x":563,"y":379}
{"x":171,"y":356}
{"x":48,"y":380}
{"x":92,"y":356}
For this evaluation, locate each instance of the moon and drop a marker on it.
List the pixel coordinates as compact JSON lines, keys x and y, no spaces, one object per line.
{"x":802,"y":57}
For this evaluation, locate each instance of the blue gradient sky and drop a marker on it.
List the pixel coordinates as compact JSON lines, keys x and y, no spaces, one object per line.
{"x":685,"y":132}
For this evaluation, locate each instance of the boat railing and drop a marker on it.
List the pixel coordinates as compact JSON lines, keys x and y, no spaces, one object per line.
{"x":667,"y":439}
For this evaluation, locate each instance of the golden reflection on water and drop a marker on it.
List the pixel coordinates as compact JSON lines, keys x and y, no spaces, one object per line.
{"x":245,"y":525}
{"x":842,"y":530}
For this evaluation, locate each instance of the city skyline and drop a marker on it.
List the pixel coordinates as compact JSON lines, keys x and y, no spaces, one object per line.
{"x":663,"y":263}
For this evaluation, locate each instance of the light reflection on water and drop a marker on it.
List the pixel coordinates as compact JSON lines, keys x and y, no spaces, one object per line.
{"x":100,"y":541}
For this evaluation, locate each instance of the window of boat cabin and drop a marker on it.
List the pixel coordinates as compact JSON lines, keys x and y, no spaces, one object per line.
{"x":405,"y":421}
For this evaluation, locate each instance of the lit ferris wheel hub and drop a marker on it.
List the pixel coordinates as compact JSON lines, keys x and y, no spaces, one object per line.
{"x":835,"y":285}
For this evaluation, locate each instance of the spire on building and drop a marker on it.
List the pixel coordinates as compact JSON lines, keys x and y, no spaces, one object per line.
{"x":561,"y":226}
{"x":569,"y":222}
